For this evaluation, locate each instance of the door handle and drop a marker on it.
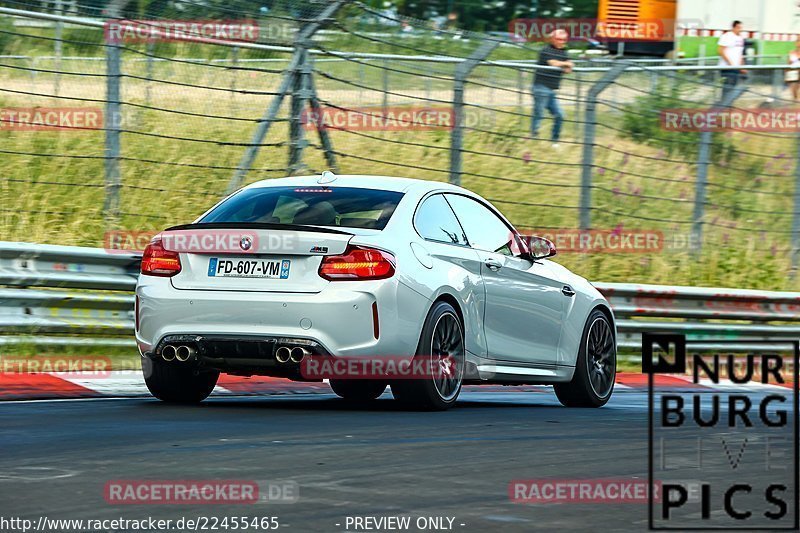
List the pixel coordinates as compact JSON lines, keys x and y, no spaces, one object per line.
{"x":493,"y":265}
{"x":567,"y":291}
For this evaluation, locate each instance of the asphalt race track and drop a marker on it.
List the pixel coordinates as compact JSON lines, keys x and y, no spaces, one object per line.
{"x":347,"y":461}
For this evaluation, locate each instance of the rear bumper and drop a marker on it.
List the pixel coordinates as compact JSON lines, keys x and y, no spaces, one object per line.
{"x":339,"y":318}
{"x":239,"y":354}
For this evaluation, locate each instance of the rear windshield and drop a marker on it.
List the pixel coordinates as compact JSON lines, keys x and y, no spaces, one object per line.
{"x":348,"y":207}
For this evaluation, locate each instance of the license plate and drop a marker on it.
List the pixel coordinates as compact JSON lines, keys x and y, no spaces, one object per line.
{"x":248,"y":268}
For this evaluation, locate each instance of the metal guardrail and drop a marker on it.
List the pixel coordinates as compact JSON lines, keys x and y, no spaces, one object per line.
{"x":704,"y":314}
{"x":69,"y":295}
{"x":66,"y":295}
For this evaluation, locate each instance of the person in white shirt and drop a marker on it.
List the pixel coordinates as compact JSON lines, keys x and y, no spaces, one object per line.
{"x":731,"y":53}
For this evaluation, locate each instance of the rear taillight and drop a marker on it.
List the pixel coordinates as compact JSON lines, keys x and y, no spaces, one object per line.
{"x":157,"y":261}
{"x":357,"y":263}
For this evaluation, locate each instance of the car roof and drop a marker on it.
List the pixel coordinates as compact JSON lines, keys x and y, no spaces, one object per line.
{"x":386,"y":183}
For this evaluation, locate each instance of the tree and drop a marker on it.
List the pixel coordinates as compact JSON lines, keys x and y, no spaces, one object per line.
{"x":494,"y":15}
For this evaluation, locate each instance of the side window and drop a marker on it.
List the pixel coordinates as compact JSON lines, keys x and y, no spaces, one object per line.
{"x":484,"y":229}
{"x":435,"y":221}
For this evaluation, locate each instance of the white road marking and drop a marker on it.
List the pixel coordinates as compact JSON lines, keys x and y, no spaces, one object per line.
{"x":122,"y":383}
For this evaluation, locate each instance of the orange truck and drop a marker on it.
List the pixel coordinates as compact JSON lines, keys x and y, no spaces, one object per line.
{"x":646,"y":27}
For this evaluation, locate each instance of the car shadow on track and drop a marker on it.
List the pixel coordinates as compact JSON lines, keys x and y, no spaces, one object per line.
{"x":316,"y":403}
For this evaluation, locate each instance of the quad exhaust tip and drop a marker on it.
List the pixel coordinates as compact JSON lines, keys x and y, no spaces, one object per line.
{"x":298,"y":353}
{"x":180,"y":353}
{"x":283,"y":354}
{"x":168,"y":353}
{"x":184,"y":353}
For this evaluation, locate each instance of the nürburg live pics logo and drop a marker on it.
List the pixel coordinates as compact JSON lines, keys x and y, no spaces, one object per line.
{"x":723,"y":447}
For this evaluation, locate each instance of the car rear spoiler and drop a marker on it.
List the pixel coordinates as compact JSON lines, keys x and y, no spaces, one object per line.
{"x":256,"y":225}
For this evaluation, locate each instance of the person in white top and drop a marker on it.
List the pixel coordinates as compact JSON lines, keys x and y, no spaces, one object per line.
{"x":731,"y":53}
{"x":793,"y":74}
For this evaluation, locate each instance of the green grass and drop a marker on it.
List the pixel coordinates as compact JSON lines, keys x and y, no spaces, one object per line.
{"x":57,"y":196}
{"x":82,"y":41}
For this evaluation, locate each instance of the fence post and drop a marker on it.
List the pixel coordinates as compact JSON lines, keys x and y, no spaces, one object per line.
{"x":361,"y":82}
{"x":58,"y":47}
{"x":300,"y":96}
{"x":234,"y":73}
{"x":703,"y":160}
{"x":316,"y":110}
{"x":112,"y":121}
{"x":457,"y":135}
{"x":520,"y":86}
{"x":578,"y":98}
{"x":588,"y":141}
{"x":288,"y":82}
{"x":492,"y":81}
{"x":385,"y":86}
{"x":32,"y":62}
{"x":264,"y":124}
{"x":150,"y":51}
{"x":777,"y":84}
{"x":428,"y":87}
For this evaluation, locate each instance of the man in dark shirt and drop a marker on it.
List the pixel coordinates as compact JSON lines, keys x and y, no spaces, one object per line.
{"x":547,"y":81}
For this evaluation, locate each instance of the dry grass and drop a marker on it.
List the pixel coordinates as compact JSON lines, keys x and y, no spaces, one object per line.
{"x":52,"y":199}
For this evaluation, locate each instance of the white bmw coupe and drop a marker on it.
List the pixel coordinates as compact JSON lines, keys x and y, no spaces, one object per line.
{"x":327,"y":268}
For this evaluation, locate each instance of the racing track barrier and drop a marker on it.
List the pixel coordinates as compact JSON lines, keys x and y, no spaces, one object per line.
{"x":69,"y":295}
{"x":66,"y":295}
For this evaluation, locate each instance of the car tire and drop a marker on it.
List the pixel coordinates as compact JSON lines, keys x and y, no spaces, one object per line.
{"x":443,"y":332}
{"x":596,"y":367}
{"x":357,"y":390}
{"x":177,"y":382}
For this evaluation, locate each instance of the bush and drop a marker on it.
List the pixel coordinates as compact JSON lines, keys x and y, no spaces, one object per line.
{"x":6,"y":35}
{"x":641,"y":122}
{"x":83,"y":41}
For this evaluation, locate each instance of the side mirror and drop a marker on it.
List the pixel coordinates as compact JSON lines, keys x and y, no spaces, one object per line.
{"x":541,"y":248}
{"x":531,"y":247}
